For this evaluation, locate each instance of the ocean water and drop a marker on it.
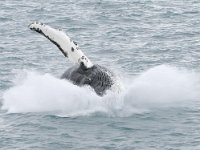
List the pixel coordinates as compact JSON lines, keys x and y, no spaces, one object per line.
{"x":153,"y":46}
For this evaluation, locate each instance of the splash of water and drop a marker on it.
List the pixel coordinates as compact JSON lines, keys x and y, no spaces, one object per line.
{"x":34,"y":92}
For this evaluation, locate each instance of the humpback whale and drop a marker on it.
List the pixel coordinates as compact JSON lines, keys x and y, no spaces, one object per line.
{"x":99,"y":78}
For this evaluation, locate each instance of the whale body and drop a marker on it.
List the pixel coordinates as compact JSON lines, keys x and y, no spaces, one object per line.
{"x":98,"y":77}
{"x":84,"y":73}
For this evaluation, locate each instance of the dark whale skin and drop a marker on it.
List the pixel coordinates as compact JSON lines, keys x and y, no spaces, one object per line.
{"x":97,"y":77}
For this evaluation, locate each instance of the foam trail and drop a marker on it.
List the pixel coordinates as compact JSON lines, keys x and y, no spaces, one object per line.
{"x":158,"y":86}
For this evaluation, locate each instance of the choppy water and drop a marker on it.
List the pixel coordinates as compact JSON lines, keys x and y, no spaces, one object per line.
{"x":152,"y":45}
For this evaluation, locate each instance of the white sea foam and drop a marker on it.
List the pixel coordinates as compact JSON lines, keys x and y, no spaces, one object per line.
{"x":158,"y":86}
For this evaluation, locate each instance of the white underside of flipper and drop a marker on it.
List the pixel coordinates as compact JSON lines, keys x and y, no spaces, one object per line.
{"x":68,"y":47}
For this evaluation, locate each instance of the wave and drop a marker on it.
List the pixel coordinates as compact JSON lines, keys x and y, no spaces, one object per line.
{"x":157,"y":87}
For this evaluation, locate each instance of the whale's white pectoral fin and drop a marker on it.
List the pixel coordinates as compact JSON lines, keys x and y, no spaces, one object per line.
{"x":68,"y":47}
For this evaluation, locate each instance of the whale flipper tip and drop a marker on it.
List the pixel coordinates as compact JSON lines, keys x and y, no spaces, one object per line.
{"x":36,"y":26}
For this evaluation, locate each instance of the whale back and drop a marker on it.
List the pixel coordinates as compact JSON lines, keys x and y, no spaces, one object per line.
{"x":97,"y":77}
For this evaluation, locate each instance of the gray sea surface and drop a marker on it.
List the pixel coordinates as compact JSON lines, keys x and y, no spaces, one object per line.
{"x":153,"y":46}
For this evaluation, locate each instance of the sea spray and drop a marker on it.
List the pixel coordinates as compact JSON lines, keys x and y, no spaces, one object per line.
{"x":164,"y":84}
{"x":156,"y":87}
